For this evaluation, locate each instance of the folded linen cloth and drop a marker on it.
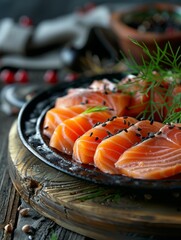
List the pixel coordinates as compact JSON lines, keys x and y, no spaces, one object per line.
{"x":49,"y":44}
{"x":13,"y":37}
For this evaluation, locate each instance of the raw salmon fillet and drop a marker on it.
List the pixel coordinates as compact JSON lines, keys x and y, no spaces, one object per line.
{"x":143,"y":98}
{"x":155,"y":158}
{"x":97,"y":85}
{"x":55,"y":116}
{"x":102,"y":85}
{"x":117,"y":101}
{"x":109,"y":150}
{"x":85,"y":146}
{"x":69,"y":130}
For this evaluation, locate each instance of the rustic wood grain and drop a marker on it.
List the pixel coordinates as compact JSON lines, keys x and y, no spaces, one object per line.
{"x":10,"y":201}
{"x":89,"y":209}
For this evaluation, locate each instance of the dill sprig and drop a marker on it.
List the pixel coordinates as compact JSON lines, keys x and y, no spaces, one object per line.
{"x":161,"y":66}
{"x":96,"y":109}
{"x":174,"y":113}
{"x":157,"y":60}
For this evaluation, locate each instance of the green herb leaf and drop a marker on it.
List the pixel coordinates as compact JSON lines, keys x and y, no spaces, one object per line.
{"x":174,"y":112}
{"x":96,"y":109}
{"x":166,"y":63}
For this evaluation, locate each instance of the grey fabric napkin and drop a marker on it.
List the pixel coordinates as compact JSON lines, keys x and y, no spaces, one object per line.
{"x":45,"y":45}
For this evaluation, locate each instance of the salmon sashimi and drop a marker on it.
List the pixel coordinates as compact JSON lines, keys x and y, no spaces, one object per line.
{"x":102,"y":85}
{"x":55,"y":116}
{"x":117,"y":101}
{"x":97,"y":85}
{"x":109,"y":150}
{"x":155,"y":158}
{"x":69,"y":130}
{"x":135,"y":86}
{"x":85,"y":146}
{"x":148,"y":102}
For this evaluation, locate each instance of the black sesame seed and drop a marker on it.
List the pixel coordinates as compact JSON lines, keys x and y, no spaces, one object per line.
{"x":171,"y":126}
{"x":151,"y":122}
{"x":109,"y":133}
{"x":91,"y":134}
{"x":144,"y":138}
{"x":111,"y":119}
{"x":129,"y":123}
{"x":96,"y":124}
{"x":119,"y":131}
{"x":159,"y":132}
{"x":151,"y":135}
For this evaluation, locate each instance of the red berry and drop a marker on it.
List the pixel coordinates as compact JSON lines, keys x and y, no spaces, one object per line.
{"x":7,"y":76}
{"x":25,"y":21}
{"x":51,"y":77}
{"x":21,"y":76}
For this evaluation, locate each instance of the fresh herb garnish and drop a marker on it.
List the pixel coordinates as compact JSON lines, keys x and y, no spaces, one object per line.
{"x":157,"y":60}
{"x":96,"y":109}
{"x":156,"y":77}
{"x":174,"y":112}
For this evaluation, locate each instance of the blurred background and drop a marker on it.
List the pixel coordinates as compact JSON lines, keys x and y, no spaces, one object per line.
{"x":50,"y":41}
{"x":39,"y":10}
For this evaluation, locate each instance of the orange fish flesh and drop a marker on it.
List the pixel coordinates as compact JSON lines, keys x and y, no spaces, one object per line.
{"x":55,"y":116}
{"x":109,"y":150}
{"x":114,"y":100}
{"x":85,"y":146}
{"x":69,"y":130}
{"x":155,"y":158}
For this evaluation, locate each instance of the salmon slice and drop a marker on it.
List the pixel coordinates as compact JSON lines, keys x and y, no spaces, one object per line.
{"x":135,"y":86}
{"x":102,"y":85}
{"x":69,"y":130}
{"x":109,"y":150}
{"x":146,"y":101}
{"x":57,"y":115}
{"x":155,"y":158}
{"x":97,"y":85}
{"x":117,"y":101}
{"x":85,"y":146}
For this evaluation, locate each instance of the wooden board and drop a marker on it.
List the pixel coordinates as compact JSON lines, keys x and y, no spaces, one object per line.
{"x":89,"y":209}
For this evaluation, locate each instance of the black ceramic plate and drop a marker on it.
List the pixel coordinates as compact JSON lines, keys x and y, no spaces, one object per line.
{"x":30,"y":131}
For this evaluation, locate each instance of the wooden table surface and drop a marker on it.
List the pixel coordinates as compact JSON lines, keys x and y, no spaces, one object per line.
{"x":10,"y":201}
